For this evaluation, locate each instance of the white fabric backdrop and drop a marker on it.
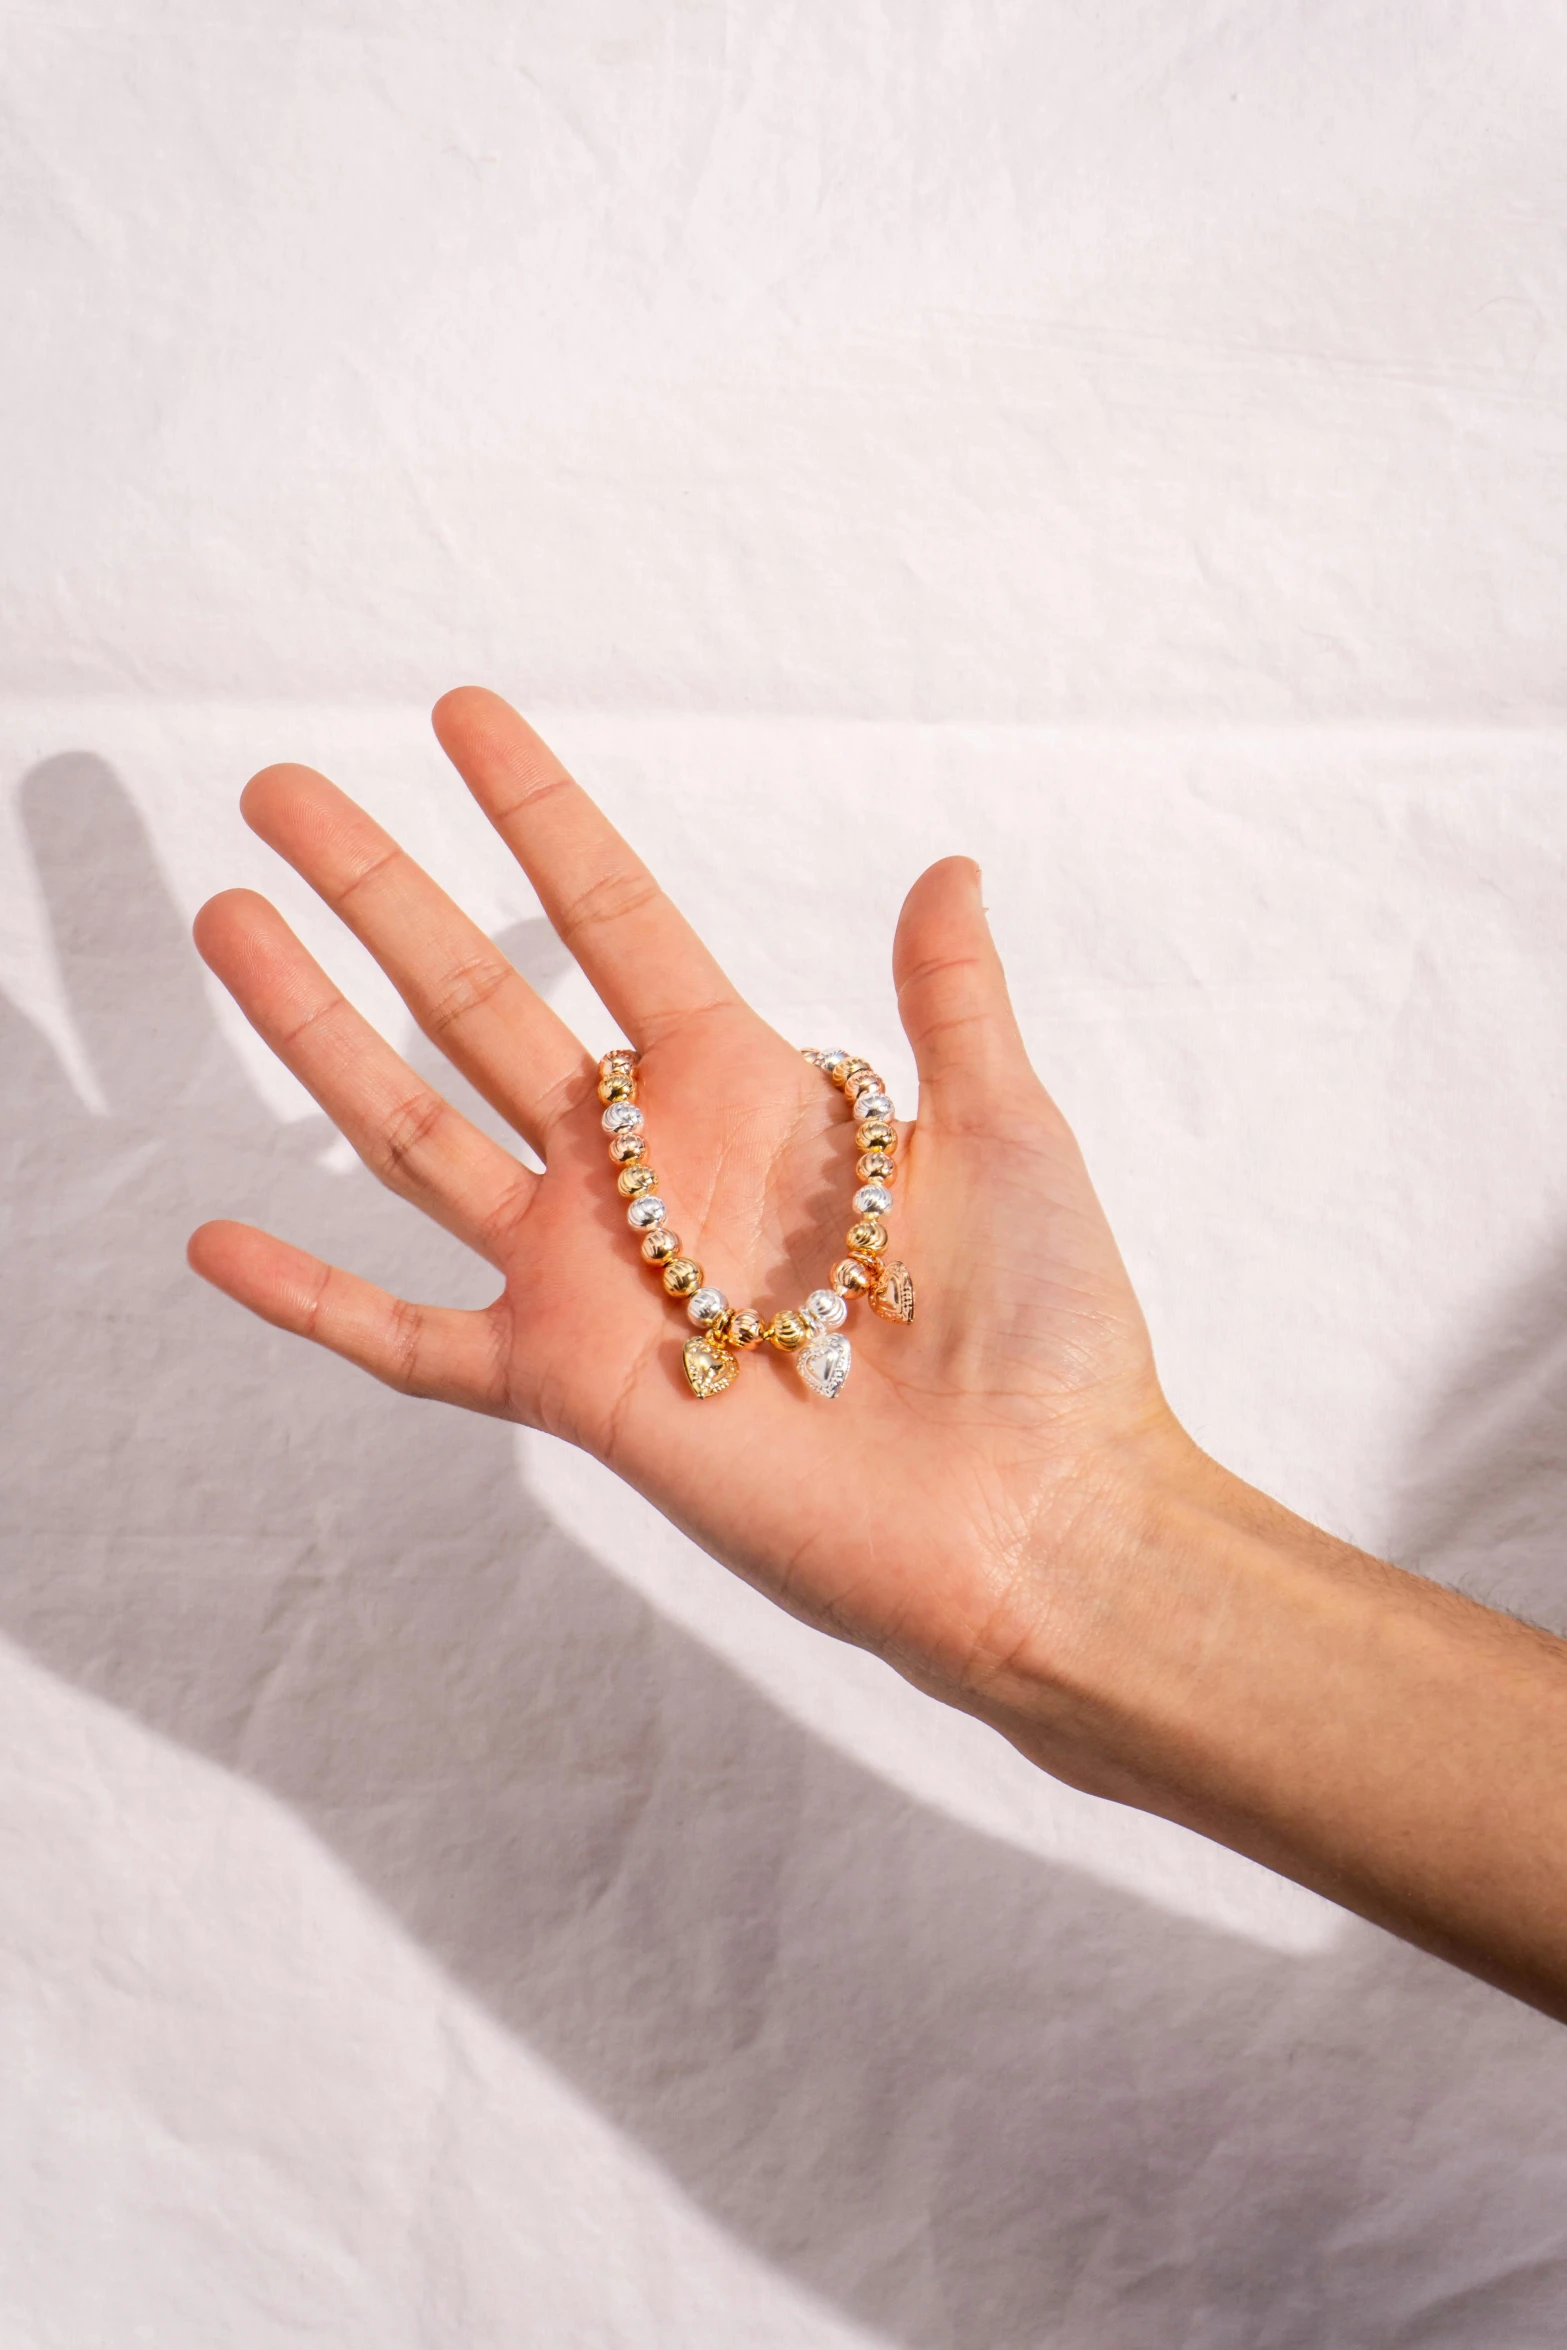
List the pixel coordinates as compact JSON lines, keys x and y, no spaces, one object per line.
{"x":1129,"y":443}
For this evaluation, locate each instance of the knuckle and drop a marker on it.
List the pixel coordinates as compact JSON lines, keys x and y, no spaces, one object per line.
{"x":378,"y":863}
{"x":311,"y":1325}
{"x":683,"y":1019}
{"x":406,"y":1133}
{"x":566,"y":1095}
{"x":499,"y":1228}
{"x":611,"y":897}
{"x":951,"y":968}
{"x":325,"y":1015}
{"x":504,"y":1395}
{"x":544,"y":787}
{"x":466,"y":989}
{"x":405,"y":1330}
{"x":945,"y":1024}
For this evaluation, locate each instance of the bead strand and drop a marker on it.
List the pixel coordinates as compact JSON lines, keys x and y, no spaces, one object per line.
{"x":813,"y":1333}
{"x":864,"y":1272}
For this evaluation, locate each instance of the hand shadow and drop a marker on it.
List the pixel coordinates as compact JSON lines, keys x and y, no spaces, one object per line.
{"x":973,"y":2099}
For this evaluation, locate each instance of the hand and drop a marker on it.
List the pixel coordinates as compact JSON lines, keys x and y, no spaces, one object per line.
{"x":1000,"y":1503}
{"x":911,"y":1513}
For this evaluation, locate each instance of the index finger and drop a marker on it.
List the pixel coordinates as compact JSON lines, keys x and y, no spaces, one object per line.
{"x":645,"y":961}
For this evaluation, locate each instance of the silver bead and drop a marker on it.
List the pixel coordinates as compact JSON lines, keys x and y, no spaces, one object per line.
{"x":832,"y":1061}
{"x":706,"y":1306}
{"x":873,"y":1105}
{"x":872,"y":1199}
{"x":825,"y":1309}
{"x":645,"y":1212}
{"x":622,"y":1118}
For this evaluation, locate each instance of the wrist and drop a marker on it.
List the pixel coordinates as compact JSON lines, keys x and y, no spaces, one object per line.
{"x":1156,"y":1577}
{"x":1208,"y":1656}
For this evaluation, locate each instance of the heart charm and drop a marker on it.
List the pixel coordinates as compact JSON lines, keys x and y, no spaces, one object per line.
{"x":824,"y":1363}
{"x":894,"y":1299}
{"x":709,"y":1368}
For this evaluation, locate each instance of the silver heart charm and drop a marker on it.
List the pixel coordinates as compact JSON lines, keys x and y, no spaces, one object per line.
{"x":824,"y":1363}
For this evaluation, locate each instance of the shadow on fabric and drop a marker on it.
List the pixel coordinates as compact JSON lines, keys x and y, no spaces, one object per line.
{"x":975,"y":2100}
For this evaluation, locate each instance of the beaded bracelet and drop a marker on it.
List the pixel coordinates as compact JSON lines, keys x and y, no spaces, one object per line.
{"x":813,"y":1333}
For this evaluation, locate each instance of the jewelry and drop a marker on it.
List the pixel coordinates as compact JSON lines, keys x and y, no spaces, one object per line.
{"x":813,"y":1333}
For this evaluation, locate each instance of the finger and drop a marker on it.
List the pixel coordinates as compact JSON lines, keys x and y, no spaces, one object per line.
{"x":417,"y":1144}
{"x":454,"y":1356}
{"x":460,"y":988}
{"x":647,"y":964}
{"x":953,"y":1001}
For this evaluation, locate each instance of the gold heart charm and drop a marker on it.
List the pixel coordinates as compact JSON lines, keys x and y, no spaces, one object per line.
{"x":894,"y":1298}
{"x":709,"y":1368}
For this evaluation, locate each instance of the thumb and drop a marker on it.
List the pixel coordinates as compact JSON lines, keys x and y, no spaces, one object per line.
{"x":953,"y":1001}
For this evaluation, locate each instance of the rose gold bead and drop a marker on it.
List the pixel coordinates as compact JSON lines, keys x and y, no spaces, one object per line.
{"x":621,"y":1058}
{"x":848,"y":1073}
{"x":788,"y":1331}
{"x":660,"y":1245}
{"x":852,"y":1279}
{"x":868,"y":1237}
{"x":632,"y":1182}
{"x":876,"y":1134}
{"x":618,"y":1086}
{"x":682,"y":1276}
{"x":877,"y":1167}
{"x":746,"y":1328}
{"x":626,"y":1149}
{"x":863,"y":1081}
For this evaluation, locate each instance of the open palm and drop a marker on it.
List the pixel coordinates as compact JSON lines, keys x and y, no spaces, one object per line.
{"x":906,"y":1515}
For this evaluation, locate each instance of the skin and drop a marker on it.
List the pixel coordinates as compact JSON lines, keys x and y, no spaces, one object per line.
{"x":1001,"y":1504}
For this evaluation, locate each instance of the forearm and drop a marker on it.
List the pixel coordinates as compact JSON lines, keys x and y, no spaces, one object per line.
{"x":1372,"y":1735}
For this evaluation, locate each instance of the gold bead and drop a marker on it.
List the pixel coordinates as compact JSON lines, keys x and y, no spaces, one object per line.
{"x":852,"y":1279}
{"x":618,"y":1086}
{"x":746,"y":1328}
{"x":850,"y":1070}
{"x":660,"y":1245}
{"x":632,"y":1182}
{"x":682,"y":1276}
{"x":868,"y":1237}
{"x":876,"y":1134}
{"x":788,"y":1331}
{"x":877,"y":1167}
{"x":624,"y":1149}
